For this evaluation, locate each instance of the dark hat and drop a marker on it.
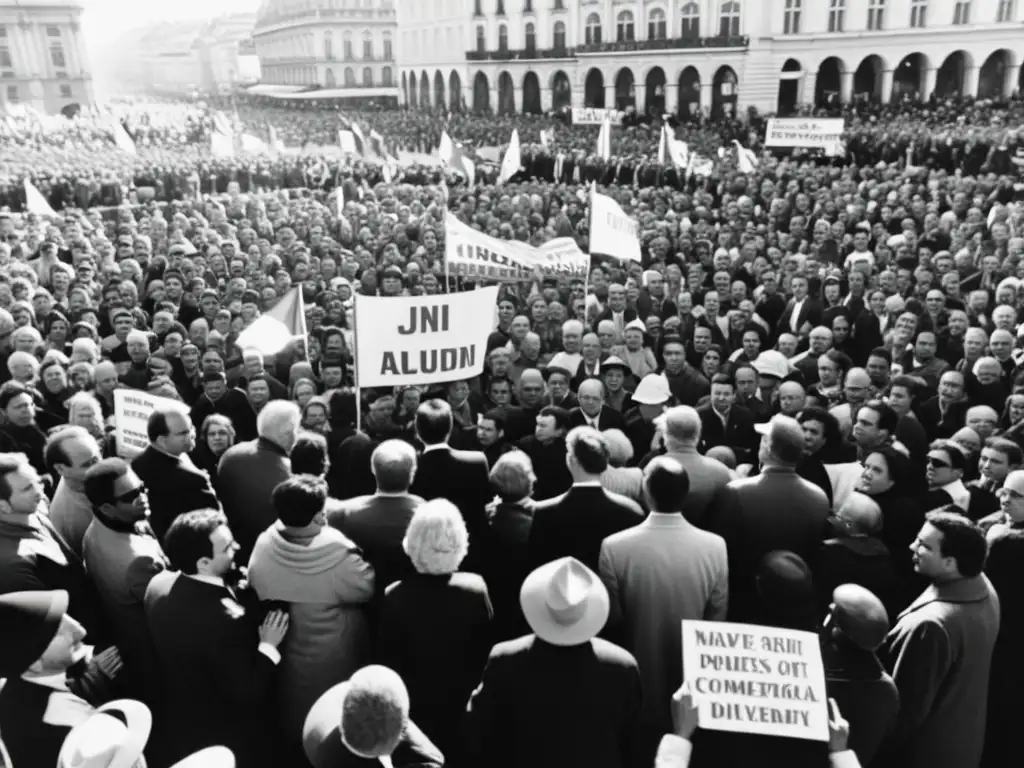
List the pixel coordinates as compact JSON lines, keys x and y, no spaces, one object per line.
{"x":30,"y":621}
{"x":785,"y":587}
{"x":860,"y":615}
{"x":392,"y":271}
{"x":556,"y":369}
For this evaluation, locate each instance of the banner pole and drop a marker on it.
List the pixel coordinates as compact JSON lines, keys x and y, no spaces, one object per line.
{"x":355,"y":365}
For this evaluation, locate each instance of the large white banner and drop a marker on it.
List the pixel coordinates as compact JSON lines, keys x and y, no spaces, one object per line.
{"x":131,"y":415}
{"x":612,"y":232}
{"x":422,"y":339}
{"x":595,"y":116}
{"x":753,"y":679}
{"x":474,"y":254}
{"x":814,"y":133}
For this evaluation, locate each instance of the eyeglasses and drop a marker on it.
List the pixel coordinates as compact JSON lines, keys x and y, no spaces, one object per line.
{"x":131,"y":496}
{"x":935,"y":463}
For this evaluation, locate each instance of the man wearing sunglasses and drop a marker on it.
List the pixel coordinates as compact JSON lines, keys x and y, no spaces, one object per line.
{"x":945,"y":471}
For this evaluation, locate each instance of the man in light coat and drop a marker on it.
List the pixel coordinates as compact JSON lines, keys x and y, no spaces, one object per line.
{"x":657,"y":574}
{"x":940,"y":651}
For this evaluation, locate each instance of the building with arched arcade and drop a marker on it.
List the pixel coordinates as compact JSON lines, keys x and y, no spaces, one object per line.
{"x":334,"y":44}
{"x":718,"y":56}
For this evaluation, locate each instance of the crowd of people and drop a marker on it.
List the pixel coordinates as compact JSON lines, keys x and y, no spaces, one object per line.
{"x":803,"y":409}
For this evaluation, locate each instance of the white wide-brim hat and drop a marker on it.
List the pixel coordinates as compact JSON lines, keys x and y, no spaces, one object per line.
{"x":564,"y":602}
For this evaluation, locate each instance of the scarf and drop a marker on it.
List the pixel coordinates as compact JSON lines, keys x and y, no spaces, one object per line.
{"x":295,"y":564}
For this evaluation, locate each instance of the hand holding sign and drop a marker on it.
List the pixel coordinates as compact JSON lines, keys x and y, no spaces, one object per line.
{"x":838,"y":728}
{"x":685,"y":715}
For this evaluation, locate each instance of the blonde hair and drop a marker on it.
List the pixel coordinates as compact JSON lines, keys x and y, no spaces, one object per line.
{"x":436,"y":540}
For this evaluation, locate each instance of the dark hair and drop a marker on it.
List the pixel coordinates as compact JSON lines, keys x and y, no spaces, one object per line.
{"x":667,"y":483}
{"x":559,"y":414}
{"x":497,"y":415}
{"x":309,"y":454}
{"x":188,"y":538}
{"x":100,"y":479}
{"x":9,"y":462}
{"x":723,"y":378}
{"x":11,"y":389}
{"x":434,"y":421}
{"x":342,"y":409}
{"x":887,"y":417}
{"x":957,"y":456}
{"x":881,"y":352}
{"x":841,"y":360}
{"x":588,"y":448}
{"x":962,"y":540}
{"x":909,"y":383}
{"x":1010,"y":449}
{"x":498,"y":379}
{"x":833,"y":432}
{"x":54,"y":453}
{"x":298,"y":499}
{"x":157,"y":425}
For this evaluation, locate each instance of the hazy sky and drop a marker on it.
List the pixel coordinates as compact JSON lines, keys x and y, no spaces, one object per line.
{"x":106,"y":19}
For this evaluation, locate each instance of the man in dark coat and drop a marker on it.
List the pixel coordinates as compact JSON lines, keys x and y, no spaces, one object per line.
{"x":560,"y":696}
{"x":575,"y":523}
{"x":725,"y":423}
{"x":218,"y":663}
{"x":776,"y":510}
{"x":459,"y":476}
{"x":174,"y":484}
{"x":591,"y":411}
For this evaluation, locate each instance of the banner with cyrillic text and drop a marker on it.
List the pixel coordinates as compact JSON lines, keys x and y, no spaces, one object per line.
{"x":595,"y":116}
{"x":612,"y":232}
{"x":811,"y":133}
{"x":753,"y":679}
{"x":405,"y":340}
{"x":473,"y":254}
{"x":131,"y":416}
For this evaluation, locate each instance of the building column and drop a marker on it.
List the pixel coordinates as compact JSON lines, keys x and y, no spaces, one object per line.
{"x":928,"y":82}
{"x":971,"y":76}
{"x":579,"y":95}
{"x":1012,"y":77}
{"x":707,"y":96}
{"x":547,"y":99}
{"x":609,"y":96}
{"x":846,"y":87}
{"x":808,"y":88}
{"x":671,"y":98}
{"x":517,"y":98}
{"x":885,"y":91}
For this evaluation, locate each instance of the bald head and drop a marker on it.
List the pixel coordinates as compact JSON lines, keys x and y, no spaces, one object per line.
{"x":783,"y":442}
{"x":591,"y":395}
{"x":983,"y":420}
{"x":1015,"y":481}
{"x":859,"y":616}
{"x":861,"y":514}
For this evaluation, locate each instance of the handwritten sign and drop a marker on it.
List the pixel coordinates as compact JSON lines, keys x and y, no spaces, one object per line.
{"x":751,"y":679}
{"x":131,"y":415}
{"x":815,"y":133}
{"x":404,"y":340}
{"x":595,"y":116}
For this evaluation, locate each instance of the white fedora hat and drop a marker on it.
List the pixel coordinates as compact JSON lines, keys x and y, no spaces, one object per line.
{"x":112,"y":737}
{"x":211,"y":757}
{"x":564,"y":602}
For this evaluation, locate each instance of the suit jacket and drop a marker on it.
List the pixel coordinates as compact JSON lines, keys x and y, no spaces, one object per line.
{"x":546,"y":706}
{"x":628,"y":315}
{"x":463,"y":478}
{"x":939,"y":654}
{"x":218,"y":688}
{"x":575,"y":523}
{"x":708,"y":479}
{"x":247,"y":475}
{"x":737,"y":432}
{"x":608,"y":418}
{"x":936,"y":424}
{"x":811,"y":312}
{"x":865,"y":561}
{"x":377,"y":525}
{"x":776,"y":510}
{"x":869,"y":333}
{"x":175,"y":486}
{"x":659,"y":573}
{"x":581,"y":374}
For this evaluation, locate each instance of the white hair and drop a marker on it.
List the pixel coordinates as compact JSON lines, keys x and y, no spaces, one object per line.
{"x":436,"y":540}
{"x":137,"y":336}
{"x":279,"y":422}
{"x":572,"y":325}
{"x":21,"y":358}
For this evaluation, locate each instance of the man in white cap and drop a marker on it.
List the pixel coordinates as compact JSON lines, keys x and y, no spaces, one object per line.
{"x":561,"y":696}
{"x":651,"y":398}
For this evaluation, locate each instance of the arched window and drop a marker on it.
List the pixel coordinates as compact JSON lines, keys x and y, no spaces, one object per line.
{"x":385,"y":76}
{"x":836,"y":15}
{"x":962,"y":12}
{"x":500,"y":11}
{"x":367,"y":45}
{"x":530,"y":38}
{"x":691,"y":21}
{"x":481,"y":39}
{"x":657,"y":28}
{"x":729,"y":23}
{"x":350,"y":76}
{"x":625,"y":30}
{"x":346,"y":44}
{"x":559,"y":36}
{"x":367,"y":76}
{"x":329,"y":80}
{"x":328,"y":46}
{"x":593,"y":29}
{"x":791,"y":18}
{"x":502,"y":38}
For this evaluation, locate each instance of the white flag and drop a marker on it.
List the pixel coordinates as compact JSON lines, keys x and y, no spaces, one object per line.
{"x":612,"y":232}
{"x":445,"y":149}
{"x":254,"y":145}
{"x":747,"y":159}
{"x":512,"y":163}
{"x":271,"y":331}
{"x":222,"y":145}
{"x":347,"y":142}
{"x":35,"y":202}
{"x":604,"y":140}
{"x":276,"y":145}
{"x":547,"y":138}
{"x":122,"y":139}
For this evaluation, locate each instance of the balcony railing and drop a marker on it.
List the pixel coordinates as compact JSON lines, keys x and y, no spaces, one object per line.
{"x":522,"y":54}
{"x":669,"y":44}
{"x":314,"y":14}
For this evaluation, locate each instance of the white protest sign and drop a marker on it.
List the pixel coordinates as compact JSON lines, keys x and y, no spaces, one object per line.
{"x":612,"y":232}
{"x":595,"y":116}
{"x":815,"y":133}
{"x":752,"y":679}
{"x":474,"y":254}
{"x":131,"y":415}
{"x":422,"y":339}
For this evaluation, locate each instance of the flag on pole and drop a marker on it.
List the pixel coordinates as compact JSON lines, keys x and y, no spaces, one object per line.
{"x":462,"y":163}
{"x":604,"y":140}
{"x":121,"y":138}
{"x":347,"y":141}
{"x":663,"y":153}
{"x":377,"y":142}
{"x":254,"y":145}
{"x":274,"y":329}
{"x":222,"y":124}
{"x":357,"y":133}
{"x":612,"y":232}
{"x":276,"y":145}
{"x":547,"y":138}
{"x":747,"y":159}
{"x":512,"y":163}
{"x":35,"y":202}
{"x":445,"y":148}
{"x":222,"y":145}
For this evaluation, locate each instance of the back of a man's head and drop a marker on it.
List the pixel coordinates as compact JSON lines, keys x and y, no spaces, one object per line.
{"x":783,"y":444}
{"x":309,"y":455}
{"x":299,"y":499}
{"x":278,"y":422}
{"x":394,"y":465}
{"x":666,"y":484}
{"x":681,"y":427}
{"x":434,"y":422}
{"x":587,"y":451}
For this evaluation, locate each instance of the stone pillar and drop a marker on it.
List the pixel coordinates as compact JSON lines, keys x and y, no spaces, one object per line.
{"x":671,"y":98}
{"x":808,"y":88}
{"x":517,"y":98}
{"x":971,"y":76}
{"x":547,"y":99}
{"x":494,"y":96}
{"x":928,"y":82}
{"x":885,"y":91}
{"x":707,"y":93}
{"x":579,"y":96}
{"x":846,"y":87}
{"x":609,"y":96}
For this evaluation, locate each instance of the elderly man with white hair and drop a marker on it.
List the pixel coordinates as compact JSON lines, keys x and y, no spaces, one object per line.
{"x":249,"y":472}
{"x":572,"y":345}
